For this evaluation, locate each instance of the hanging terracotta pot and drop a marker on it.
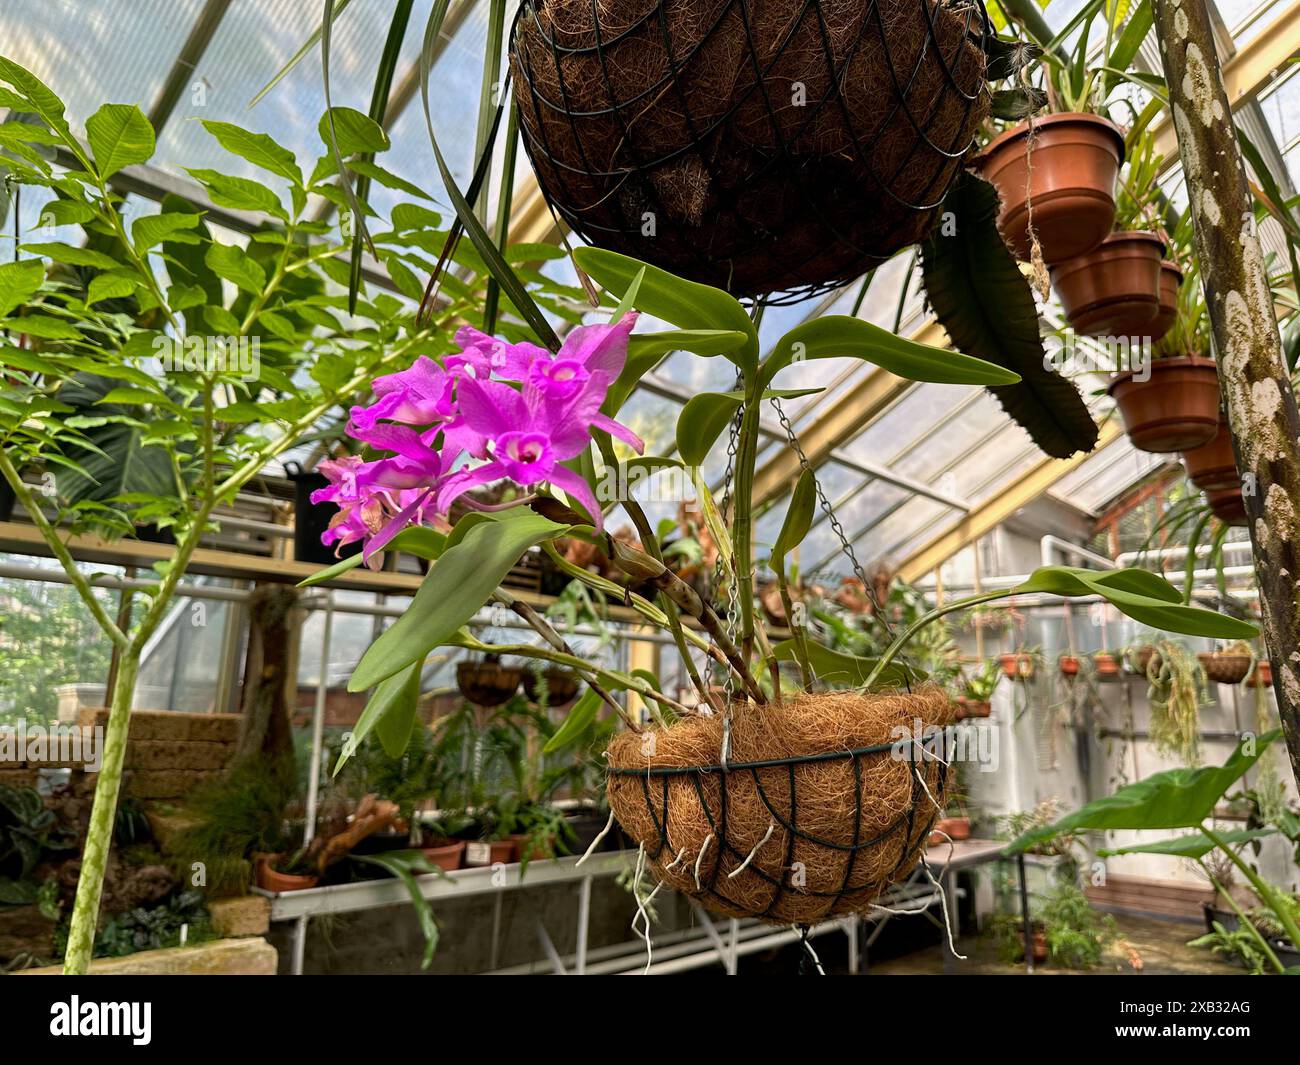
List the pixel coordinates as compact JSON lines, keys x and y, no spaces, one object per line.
{"x":1212,"y":467}
{"x":1171,"y":280}
{"x":1263,"y":675}
{"x":1228,"y":505}
{"x":1140,"y":658}
{"x":561,"y":685}
{"x":1067,"y":174}
{"x":1017,"y":666}
{"x":1107,"y":666}
{"x":1069,"y":665}
{"x":1113,"y":290}
{"x":487,"y":683}
{"x":978,"y":708}
{"x":1175,"y":408}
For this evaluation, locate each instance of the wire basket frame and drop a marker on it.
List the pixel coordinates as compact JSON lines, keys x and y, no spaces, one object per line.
{"x":763,"y":146}
{"x":733,"y":872}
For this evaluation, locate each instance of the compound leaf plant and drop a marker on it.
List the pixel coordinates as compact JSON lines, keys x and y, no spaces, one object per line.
{"x":153,"y":368}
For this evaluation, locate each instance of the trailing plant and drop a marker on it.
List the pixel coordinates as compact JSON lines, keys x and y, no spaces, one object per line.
{"x":1176,"y":692}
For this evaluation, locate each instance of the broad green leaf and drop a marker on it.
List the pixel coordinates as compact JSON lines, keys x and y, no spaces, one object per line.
{"x":697,"y":341}
{"x":685,"y":304}
{"x":119,"y":136}
{"x":798,"y":519}
{"x":66,"y":253}
{"x":1195,"y":845}
{"x":844,"y":670}
{"x":576,"y":723}
{"x":19,"y":282}
{"x":152,"y":229}
{"x":236,"y":266}
{"x":40,"y":325}
{"x":243,"y":194}
{"x":108,"y":287}
{"x":1141,"y":595}
{"x":357,"y":133}
{"x":418,"y":540}
{"x":986,"y":306}
{"x":404,"y":865}
{"x":457,"y":585}
{"x":40,"y":98}
{"x":701,"y":422}
{"x":1176,"y":798}
{"x":256,"y":148}
{"x":393,"y":698}
{"x":838,"y":336}
{"x":386,"y":178}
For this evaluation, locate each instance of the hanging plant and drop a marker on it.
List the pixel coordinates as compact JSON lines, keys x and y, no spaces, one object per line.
{"x":1228,"y":665}
{"x":1176,"y":692}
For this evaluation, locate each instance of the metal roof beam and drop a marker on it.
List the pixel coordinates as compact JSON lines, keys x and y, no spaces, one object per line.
{"x":181,"y":75}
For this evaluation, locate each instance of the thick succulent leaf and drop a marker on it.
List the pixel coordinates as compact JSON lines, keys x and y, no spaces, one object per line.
{"x":984,"y":303}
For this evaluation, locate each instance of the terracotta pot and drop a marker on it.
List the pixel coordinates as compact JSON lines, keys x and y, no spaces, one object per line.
{"x":1140,"y":658}
{"x":955,"y":828}
{"x":1227,"y":505}
{"x":1113,"y":290}
{"x":487,"y":683}
{"x":1176,"y":408}
{"x":1039,"y":940}
{"x":978,"y":708}
{"x":1212,"y":466}
{"x":1069,"y":665}
{"x":1263,"y":675}
{"x":271,"y":879}
{"x":447,"y":855}
{"x":561,"y":686}
{"x":1224,"y":668}
{"x":538,"y":853}
{"x":1017,"y":666}
{"x":1069,"y":175}
{"x":1107,"y":666}
{"x":1171,"y":280}
{"x":961,"y":709}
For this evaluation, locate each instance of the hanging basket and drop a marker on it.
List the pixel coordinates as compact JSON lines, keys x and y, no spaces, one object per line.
{"x":813,"y":815}
{"x":1224,"y":668}
{"x":757,"y":146}
{"x":488,"y":683}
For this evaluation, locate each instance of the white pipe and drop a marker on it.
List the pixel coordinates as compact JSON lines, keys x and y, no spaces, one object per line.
{"x":1049,"y":541}
{"x":1235,"y":547}
{"x":16,"y":571}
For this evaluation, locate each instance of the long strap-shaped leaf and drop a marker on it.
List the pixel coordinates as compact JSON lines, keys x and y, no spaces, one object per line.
{"x":984,"y":303}
{"x":483,"y":243}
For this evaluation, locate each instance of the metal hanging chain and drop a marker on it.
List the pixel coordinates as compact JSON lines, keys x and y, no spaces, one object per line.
{"x":831,"y":517}
{"x":728,"y":611}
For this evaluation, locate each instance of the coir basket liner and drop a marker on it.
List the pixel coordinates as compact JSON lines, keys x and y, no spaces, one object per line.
{"x":824,"y":801}
{"x":757,"y":145}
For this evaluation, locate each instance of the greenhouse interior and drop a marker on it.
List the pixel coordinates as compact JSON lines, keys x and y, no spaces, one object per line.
{"x":651,"y":487}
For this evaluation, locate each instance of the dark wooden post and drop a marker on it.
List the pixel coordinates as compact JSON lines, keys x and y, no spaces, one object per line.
{"x":1261,"y":405}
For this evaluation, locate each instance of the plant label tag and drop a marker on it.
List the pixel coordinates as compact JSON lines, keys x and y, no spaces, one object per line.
{"x":478,"y":854}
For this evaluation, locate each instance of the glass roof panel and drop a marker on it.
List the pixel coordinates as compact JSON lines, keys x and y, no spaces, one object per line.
{"x":1103,"y":476}
{"x":92,"y":53}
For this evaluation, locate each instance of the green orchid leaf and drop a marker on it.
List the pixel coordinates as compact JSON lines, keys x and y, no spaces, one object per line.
{"x":798,"y":519}
{"x":843,"y":670}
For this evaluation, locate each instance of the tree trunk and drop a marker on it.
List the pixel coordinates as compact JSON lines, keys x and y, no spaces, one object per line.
{"x":1257,"y":391}
{"x":265,"y":730}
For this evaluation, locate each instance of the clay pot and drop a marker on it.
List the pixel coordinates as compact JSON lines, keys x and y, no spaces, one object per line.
{"x":1175,"y":409}
{"x":1171,"y":280}
{"x":537,"y":853}
{"x":978,"y":708}
{"x":1069,"y":176}
{"x":561,"y":686}
{"x":1263,"y":675}
{"x":1018,"y":666}
{"x":1113,"y":290}
{"x":1107,"y":666}
{"x":487,"y":683}
{"x":271,"y":879}
{"x":1140,"y":658}
{"x":1224,"y":668}
{"x":446,"y":854}
{"x":1212,"y":466}
{"x":961,"y":711}
{"x":1039,"y":942}
{"x":1069,"y":665}
{"x":955,"y":828}
{"x":1227,"y":505}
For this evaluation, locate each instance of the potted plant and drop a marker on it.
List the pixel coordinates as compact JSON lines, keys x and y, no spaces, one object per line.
{"x":487,"y":682}
{"x":1069,"y":665}
{"x":806,"y":686}
{"x":1262,"y":675}
{"x":1176,"y":693}
{"x":1056,"y":174}
{"x":551,"y":687}
{"x":977,"y":690}
{"x":1227,"y":665}
{"x":1019,"y":665}
{"x":1106,"y":665}
{"x":278,"y":872}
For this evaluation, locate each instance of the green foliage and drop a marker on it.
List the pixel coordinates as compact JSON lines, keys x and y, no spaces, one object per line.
{"x":1077,"y":935}
{"x":1237,"y":944}
{"x":29,"y":833}
{"x":149,"y":927}
{"x":1176,"y":692}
